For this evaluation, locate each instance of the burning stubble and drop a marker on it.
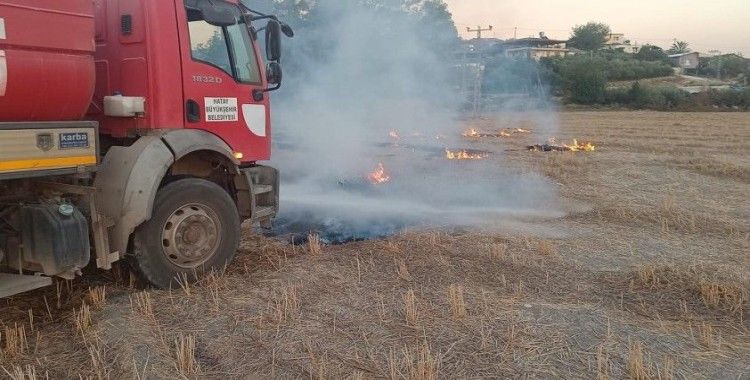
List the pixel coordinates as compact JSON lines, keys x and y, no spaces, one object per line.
{"x":366,"y":135}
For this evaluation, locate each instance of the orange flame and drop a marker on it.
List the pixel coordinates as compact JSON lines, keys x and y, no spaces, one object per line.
{"x":464,"y":155}
{"x":379,"y":176}
{"x":581,"y":146}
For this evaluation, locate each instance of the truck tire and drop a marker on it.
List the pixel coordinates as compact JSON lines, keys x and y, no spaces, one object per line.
{"x":194,"y":229}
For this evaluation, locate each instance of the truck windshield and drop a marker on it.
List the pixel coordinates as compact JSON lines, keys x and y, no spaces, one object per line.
{"x":227,"y":48}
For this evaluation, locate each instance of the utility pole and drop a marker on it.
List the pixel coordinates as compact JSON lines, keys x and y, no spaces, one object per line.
{"x":479,"y":31}
{"x":477,"y":71}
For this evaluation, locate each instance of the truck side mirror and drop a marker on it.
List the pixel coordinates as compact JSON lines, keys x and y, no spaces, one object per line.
{"x":274,"y":74}
{"x":273,"y":41}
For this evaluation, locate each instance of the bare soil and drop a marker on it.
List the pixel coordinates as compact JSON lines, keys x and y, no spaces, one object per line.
{"x":648,"y":279}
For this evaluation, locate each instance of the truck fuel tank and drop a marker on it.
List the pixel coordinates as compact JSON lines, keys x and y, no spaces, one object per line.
{"x":54,"y":237}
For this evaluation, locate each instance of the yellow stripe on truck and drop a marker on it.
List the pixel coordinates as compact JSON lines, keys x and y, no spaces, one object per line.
{"x":46,"y":163}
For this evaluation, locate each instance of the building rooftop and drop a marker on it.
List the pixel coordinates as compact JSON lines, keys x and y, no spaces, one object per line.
{"x":533,"y":42}
{"x":683,"y":54}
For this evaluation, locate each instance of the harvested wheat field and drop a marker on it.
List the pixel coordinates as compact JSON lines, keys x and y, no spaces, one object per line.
{"x":646,"y":277}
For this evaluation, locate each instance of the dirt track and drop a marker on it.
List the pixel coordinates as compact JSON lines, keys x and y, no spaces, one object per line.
{"x":648,"y":279}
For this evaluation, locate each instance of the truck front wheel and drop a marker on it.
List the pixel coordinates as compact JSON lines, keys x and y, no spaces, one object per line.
{"x":195,"y":228}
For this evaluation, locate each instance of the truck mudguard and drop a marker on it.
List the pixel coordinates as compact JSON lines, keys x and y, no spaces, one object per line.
{"x":186,"y":141}
{"x":129,"y":177}
{"x":126,"y":184}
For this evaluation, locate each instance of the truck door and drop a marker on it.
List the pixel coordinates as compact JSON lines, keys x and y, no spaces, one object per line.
{"x":221,"y":68}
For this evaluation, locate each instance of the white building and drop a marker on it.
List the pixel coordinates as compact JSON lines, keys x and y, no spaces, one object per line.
{"x":617,"y":41}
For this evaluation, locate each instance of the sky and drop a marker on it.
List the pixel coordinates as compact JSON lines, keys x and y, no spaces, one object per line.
{"x":722,"y":25}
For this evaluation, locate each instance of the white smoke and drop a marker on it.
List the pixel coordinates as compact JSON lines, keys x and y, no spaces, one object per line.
{"x":377,"y":72}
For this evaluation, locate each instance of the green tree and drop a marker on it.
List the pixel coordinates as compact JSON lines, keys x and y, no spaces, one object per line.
{"x":435,"y":18}
{"x":585,"y":79}
{"x":679,"y":47}
{"x":652,"y":53}
{"x":589,"y":37}
{"x":731,"y":65}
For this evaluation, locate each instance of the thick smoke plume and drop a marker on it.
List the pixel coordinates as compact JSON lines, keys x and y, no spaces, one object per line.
{"x":355,"y":72}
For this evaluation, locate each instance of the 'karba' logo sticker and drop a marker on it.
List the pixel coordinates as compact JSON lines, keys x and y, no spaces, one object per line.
{"x":74,"y":140}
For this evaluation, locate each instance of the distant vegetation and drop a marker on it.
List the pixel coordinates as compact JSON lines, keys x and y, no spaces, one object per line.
{"x":589,"y":37}
{"x":725,"y":67}
{"x":665,"y":98}
{"x":580,"y":78}
{"x":616,"y":66}
{"x":587,"y":78}
{"x":652,"y":53}
{"x":679,"y":47}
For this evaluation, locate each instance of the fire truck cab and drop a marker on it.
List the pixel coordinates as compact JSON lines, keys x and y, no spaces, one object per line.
{"x":132,"y":129}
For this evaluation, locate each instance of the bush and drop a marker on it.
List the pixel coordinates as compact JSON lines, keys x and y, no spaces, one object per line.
{"x":619,"y":95}
{"x":619,"y":69}
{"x":730,"y":98}
{"x":652,"y":53}
{"x":664,"y":98}
{"x":649,"y":97}
{"x":584,"y":78}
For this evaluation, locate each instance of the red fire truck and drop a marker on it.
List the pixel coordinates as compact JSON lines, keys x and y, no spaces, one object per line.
{"x":132,"y":129}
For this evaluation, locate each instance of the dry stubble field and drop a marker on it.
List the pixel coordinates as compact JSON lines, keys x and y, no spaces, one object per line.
{"x":648,"y":279}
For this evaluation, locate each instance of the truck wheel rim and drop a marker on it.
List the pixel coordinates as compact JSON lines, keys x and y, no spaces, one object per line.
{"x":190,"y":236}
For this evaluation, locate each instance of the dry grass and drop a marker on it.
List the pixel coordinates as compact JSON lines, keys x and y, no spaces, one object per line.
{"x":140,"y":303}
{"x":97,"y":296}
{"x":708,"y":337}
{"x":403,"y":270}
{"x":546,"y":248}
{"x":184,"y":356}
{"x":647,"y":279}
{"x":714,"y":168}
{"x":14,"y":341}
{"x":411,"y":314}
{"x":82,"y":320}
{"x":286,"y":306}
{"x":637,"y":368}
{"x":27,"y":372}
{"x":456,"y":301}
{"x":313,"y":244}
{"x":498,"y":251}
{"x":409,"y":365}
{"x":705,"y":289}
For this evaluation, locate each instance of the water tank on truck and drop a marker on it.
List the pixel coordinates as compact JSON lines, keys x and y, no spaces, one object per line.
{"x":47,"y":68}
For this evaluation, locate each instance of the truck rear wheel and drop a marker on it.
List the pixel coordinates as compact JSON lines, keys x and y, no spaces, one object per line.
{"x":195,"y":228}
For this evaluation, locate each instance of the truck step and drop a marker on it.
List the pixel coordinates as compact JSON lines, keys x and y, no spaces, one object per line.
{"x":262,"y":189}
{"x":12,"y":284}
